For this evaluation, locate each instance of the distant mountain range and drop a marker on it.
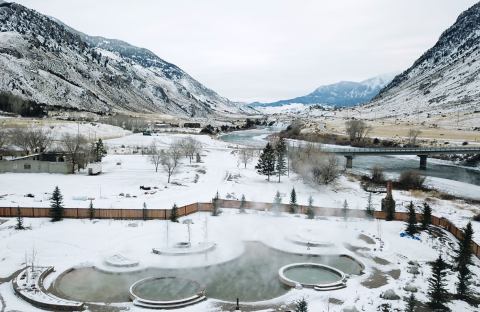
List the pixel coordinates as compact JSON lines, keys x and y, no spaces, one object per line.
{"x":45,"y":62}
{"x":444,"y":79}
{"x":341,"y":94}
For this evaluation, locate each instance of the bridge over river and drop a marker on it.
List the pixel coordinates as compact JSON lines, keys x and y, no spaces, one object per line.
{"x":421,"y":152}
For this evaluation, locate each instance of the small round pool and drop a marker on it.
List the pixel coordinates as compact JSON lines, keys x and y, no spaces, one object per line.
{"x":164,"y":289}
{"x":312,"y":275}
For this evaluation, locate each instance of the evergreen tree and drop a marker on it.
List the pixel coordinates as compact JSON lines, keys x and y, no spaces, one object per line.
{"x":301,"y":306}
{"x":345,"y":210}
{"x":277,"y":201}
{"x":463,"y":259}
{"x":384,"y":307}
{"x":411,"y":304}
{"x":19,"y":225}
{"x":215,"y":203}
{"x":91,"y":211}
{"x":427,"y":216}
{"x":174,"y":213}
{"x":293,"y":201}
{"x":144,"y":212}
{"x":310,"y":210}
{"x":266,"y":162}
{"x":281,"y":151}
{"x":437,"y":292}
{"x":243,"y":202}
{"x":56,"y":205}
{"x":369,"y":209}
{"x":412,"y":220}
{"x":99,"y":150}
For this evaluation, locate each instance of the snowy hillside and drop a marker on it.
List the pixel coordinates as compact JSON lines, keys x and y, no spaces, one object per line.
{"x":442,"y":80}
{"x":341,"y":94}
{"x":46,"y":62}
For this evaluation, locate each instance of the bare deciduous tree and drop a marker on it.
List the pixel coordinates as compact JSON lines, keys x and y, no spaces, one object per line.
{"x":190,"y":147}
{"x":357,"y":130}
{"x":76,"y":148}
{"x":245,"y":155}
{"x":412,"y":136}
{"x":327,"y":171}
{"x":170,"y":159}
{"x":314,"y":165}
{"x":377,"y":175}
{"x":31,"y":139}
{"x":154,"y":155}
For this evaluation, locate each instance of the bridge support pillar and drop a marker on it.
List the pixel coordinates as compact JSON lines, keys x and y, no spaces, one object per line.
{"x":349,"y":163}
{"x":423,"y":162}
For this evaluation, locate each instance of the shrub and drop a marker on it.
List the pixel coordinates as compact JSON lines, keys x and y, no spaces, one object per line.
{"x":377,"y":175}
{"x":476,"y":218}
{"x":411,"y":180}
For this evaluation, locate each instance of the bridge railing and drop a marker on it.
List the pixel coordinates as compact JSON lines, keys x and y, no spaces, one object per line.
{"x":415,"y":150}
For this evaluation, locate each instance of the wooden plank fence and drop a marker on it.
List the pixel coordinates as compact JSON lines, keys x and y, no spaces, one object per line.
{"x":164,"y":214}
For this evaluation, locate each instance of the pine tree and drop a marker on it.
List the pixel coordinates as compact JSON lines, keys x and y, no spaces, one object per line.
{"x":91,"y":211}
{"x":369,"y":209}
{"x":310,"y":210}
{"x":412,"y":220}
{"x":384,"y":307}
{"x":174,"y":213}
{"x":144,"y":212}
{"x":215,"y":203}
{"x":277,"y":201}
{"x":266,"y":162}
{"x":437,"y":292}
{"x":301,"y":306}
{"x":293,"y":201}
{"x":345,"y":210}
{"x":56,"y":205}
{"x":281,"y":151}
{"x":427,"y":216}
{"x":243,"y":202}
{"x":411,"y":304}
{"x":463,"y":259}
{"x":19,"y":225}
{"x":99,"y":150}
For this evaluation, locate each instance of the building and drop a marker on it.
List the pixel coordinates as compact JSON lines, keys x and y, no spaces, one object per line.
{"x":37,"y":163}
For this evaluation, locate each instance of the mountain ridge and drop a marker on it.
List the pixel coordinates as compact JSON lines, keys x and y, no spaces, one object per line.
{"x":47,"y":62}
{"x":340,"y":94}
{"x":444,"y":78}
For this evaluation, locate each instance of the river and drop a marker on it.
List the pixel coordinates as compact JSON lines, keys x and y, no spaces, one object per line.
{"x":392,"y":165}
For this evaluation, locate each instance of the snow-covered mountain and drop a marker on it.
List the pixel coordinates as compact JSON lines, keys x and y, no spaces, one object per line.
{"x":444,"y":79}
{"x":341,"y":94}
{"x":45,"y":62}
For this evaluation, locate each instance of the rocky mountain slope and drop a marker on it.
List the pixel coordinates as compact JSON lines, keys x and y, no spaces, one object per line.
{"x":341,"y":94}
{"x":47,"y":63}
{"x":444,"y":79}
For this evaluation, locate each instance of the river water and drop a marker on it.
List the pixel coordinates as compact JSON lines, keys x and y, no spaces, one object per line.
{"x":392,"y":165}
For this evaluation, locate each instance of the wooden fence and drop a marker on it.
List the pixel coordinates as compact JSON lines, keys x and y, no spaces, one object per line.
{"x":164,"y":214}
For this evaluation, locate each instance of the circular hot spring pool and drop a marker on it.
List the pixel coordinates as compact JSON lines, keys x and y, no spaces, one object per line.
{"x":164,"y":289}
{"x":312,"y":275}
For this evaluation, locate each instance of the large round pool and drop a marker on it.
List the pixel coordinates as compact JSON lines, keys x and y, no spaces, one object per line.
{"x":251,"y":277}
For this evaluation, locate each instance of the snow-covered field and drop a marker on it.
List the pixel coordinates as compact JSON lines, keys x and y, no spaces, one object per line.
{"x":74,"y":243}
{"x":77,"y":243}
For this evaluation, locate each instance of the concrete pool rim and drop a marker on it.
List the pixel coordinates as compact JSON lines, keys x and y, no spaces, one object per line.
{"x":340,"y":283}
{"x":166,"y":304}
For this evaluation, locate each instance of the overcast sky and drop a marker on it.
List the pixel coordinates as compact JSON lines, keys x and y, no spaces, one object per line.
{"x":266,"y":50}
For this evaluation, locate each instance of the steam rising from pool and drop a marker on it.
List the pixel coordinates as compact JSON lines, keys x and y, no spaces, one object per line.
{"x":251,"y":277}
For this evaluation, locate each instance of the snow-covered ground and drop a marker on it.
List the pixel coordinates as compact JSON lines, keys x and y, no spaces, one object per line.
{"x":85,"y":243}
{"x":73,"y":243}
